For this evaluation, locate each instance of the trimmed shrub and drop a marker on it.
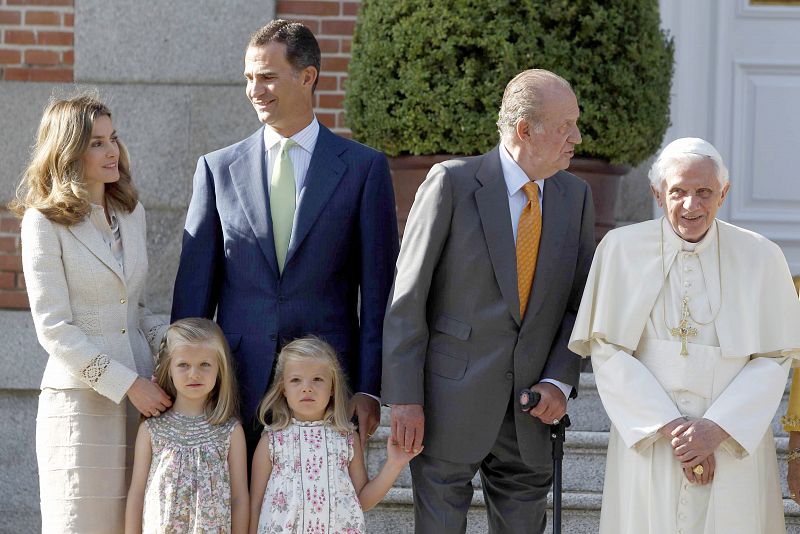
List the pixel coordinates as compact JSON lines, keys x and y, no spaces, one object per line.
{"x":427,"y":76}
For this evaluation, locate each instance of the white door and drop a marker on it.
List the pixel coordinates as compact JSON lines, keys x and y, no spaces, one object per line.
{"x":737,"y":84}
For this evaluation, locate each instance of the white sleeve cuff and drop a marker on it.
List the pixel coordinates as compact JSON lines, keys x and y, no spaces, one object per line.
{"x":108,"y":377}
{"x":378,"y":399}
{"x":566,"y":389}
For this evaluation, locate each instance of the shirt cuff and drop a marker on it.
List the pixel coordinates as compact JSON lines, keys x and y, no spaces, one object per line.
{"x":377,"y":399}
{"x":566,"y":389}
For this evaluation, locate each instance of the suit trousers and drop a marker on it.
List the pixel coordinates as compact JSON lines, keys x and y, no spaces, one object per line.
{"x":515,"y":493}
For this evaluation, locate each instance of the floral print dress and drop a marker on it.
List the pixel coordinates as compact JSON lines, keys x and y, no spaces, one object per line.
{"x":309,"y":490}
{"x":188,"y":489}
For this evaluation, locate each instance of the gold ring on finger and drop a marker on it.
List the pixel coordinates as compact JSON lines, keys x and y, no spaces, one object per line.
{"x":698,"y":470}
{"x":792,"y":495}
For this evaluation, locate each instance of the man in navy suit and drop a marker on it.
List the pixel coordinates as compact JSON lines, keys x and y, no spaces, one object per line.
{"x":290,"y":232}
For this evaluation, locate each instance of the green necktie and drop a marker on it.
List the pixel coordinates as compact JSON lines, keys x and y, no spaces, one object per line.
{"x":282,"y":201}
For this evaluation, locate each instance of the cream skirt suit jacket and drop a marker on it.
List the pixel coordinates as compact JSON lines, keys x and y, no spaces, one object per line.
{"x":87,"y":300}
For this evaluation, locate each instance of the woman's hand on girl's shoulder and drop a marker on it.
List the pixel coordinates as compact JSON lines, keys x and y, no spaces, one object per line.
{"x":148,"y":398}
{"x":397,"y":456}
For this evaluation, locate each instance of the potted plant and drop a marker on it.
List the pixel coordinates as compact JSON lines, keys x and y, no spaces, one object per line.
{"x":426,"y":79}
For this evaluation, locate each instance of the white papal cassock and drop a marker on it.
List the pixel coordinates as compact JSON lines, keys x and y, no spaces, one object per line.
{"x":734,"y":374}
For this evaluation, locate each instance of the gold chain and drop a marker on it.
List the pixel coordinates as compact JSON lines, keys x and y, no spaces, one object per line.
{"x":686,"y":302}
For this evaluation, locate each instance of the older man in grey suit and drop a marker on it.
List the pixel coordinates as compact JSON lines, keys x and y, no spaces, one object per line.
{"x":490,"y":275}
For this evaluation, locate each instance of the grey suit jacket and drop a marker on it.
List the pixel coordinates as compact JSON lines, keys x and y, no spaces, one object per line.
{"x":453,"y":337}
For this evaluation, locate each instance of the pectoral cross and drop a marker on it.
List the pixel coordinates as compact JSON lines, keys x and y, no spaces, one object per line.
{"x":684,"y":329}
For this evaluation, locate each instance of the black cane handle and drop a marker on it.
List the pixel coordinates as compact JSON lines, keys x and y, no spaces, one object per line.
{"x":528,"y":399}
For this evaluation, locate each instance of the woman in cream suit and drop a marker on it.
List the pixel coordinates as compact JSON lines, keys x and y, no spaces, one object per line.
{"x":85,"y":264}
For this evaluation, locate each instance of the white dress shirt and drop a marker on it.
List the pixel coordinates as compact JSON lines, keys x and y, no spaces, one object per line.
{"x":515,"y":179}
{"x":300,"y":153}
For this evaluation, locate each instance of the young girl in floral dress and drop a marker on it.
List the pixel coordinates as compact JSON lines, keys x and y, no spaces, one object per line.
{"x":308,"y":471}
{"x":190,"y":465}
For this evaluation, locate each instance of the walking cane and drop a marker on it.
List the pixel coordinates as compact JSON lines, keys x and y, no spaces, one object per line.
{"x":527,"y":400}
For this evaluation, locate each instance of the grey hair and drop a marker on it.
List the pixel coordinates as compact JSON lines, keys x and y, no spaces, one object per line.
{"x":522,"y":100}
{"x":687,"y":149}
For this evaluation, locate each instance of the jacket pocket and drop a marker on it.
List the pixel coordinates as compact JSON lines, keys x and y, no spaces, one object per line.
{"x":446,"y":366}
{"x":453,"y":327}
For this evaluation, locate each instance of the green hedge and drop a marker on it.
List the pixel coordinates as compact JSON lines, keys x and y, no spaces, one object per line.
{"x":427,"y":76}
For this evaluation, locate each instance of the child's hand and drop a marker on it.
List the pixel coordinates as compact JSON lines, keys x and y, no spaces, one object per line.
{"x":396,"y":455}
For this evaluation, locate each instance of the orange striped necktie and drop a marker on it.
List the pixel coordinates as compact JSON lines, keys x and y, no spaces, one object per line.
{"x":529,"y":232}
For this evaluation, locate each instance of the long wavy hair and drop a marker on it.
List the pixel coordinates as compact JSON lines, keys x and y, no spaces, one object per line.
{"x":54,"y":182}
{"x":307,"y":349}
{"x":223,"y":401}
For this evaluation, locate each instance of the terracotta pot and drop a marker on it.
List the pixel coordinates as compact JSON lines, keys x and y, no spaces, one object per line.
{"x":409,"y":171}
{"x":604,"y":180}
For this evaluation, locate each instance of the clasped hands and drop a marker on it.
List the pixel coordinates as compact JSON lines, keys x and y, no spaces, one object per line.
{"x":408,"y":420}
{"x":694,"y":441}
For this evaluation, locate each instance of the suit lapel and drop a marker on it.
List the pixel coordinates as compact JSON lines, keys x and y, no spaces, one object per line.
{"x":325,"y":171}
{"x":86,"y":233}
{"x":492,"y":201}
{"x":249,"y":174}
{"x":555,"y":219}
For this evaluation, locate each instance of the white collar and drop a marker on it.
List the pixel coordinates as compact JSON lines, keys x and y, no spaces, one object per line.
{"x":681,"y":244}
{"x":306,"y":138}
{"x":514,"y":176}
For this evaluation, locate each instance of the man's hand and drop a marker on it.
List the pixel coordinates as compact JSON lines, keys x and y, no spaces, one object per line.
{"x":368,"y":412}
{"x":552,"y":405}
{"x":667,"y":429}
{"x":709,"y":466}
{"x":408,"y":426}
{"x":696,"y":440}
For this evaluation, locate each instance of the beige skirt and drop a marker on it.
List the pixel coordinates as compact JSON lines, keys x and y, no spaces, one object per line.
{"x":84,"y":448}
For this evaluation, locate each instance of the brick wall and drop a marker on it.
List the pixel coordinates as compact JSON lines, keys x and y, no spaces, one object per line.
{"x":36,"y":44}
{"x":12,"y":281}
{"x":333,"y":22}
{"x":37,"y":40}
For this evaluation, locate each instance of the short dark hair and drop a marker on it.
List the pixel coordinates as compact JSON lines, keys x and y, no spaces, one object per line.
{"x":302,"y":48}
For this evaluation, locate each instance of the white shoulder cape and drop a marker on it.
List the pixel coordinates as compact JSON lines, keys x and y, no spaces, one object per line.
{"x":760,"y":310}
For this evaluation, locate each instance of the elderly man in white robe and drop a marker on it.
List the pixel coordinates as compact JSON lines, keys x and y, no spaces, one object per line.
{"x":691,"y":324}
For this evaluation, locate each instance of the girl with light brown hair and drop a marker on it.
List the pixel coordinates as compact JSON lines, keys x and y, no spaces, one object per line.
{"x":84,"y":256}
{"x":190,"y":469}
